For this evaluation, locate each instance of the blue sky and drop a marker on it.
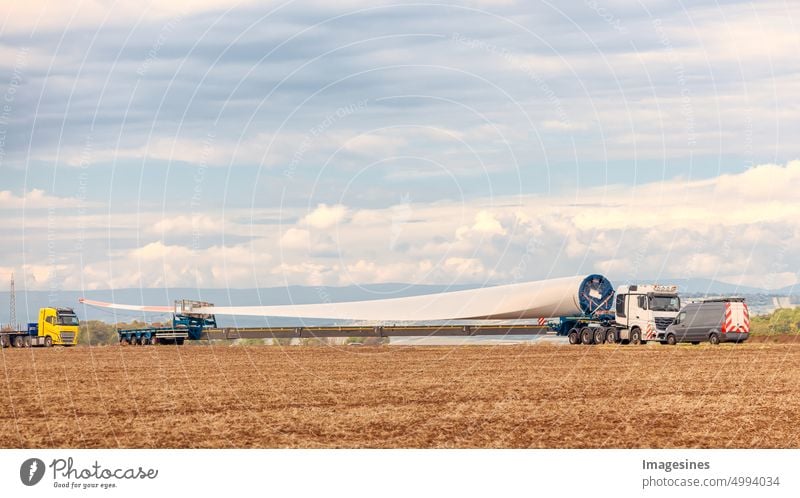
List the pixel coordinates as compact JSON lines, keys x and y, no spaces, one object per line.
{"x":242,"y":144}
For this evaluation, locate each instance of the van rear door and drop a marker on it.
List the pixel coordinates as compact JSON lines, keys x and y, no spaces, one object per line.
{"x":737,"y":318}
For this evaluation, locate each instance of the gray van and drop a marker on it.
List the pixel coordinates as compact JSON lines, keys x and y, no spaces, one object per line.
{"x":712,"y":320}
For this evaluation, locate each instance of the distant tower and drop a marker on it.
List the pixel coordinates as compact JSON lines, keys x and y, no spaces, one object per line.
{"x":13,"y":316}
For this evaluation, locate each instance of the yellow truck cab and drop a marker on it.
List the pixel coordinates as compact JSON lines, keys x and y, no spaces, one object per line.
{"x":56,"y":326}
{"x":60,"y":325}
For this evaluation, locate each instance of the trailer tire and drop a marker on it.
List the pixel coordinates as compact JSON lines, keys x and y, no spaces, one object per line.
{"x":48,"y":342}
{"x":4,"y":342}
{"x":599,"y":335}
{"x":713,"y":338}
{"x":636,"y":335}
{"x":587,"y":336}
{"x":611,"y":335}
{"x":153,"y":340}
{"x":179,"y":341}
{"x":574,"y":336}
{"x":671,"y":340}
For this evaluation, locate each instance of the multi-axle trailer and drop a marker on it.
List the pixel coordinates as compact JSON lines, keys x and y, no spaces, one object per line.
{"x":199,"y":327}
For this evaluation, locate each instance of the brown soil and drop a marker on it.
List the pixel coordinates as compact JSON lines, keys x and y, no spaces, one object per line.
{"x":544,"y":396}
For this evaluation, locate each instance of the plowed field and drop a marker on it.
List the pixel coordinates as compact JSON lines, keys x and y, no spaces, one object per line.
{"x":543,"y":396}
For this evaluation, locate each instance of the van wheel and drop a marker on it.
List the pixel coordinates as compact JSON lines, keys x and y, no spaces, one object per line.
{"x":636,"y":336}
{"x":586,"y":335}
{"x":671,"y":340}
{"x":611,"y":335}
{"x":48,"y":342}
{"x":713,"y":338}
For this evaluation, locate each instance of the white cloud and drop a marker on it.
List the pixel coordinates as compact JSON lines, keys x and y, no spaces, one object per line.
{"x":325,"y":216}
{"x":39,"y":199}
{"x":296,"y":238}
{"x":182,"y":224}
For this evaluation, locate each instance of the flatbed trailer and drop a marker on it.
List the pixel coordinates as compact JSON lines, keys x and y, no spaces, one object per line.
{"x":367,"y":331}
{"x":179,"y":334}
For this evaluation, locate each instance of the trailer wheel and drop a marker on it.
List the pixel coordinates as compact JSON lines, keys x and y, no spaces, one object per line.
{"x":671,"y":340}
{"x":153,"y":340}
{"x":4,"y":342}
{"x":574,"y":337}
{"x":587,"y":336}
{"x":48,"y":342}
{"x":17,"y":341}
{"x":713,"y":338}
{"x":179,"y":341}
{"x":636,"y":335}
{"x":611,"y":335}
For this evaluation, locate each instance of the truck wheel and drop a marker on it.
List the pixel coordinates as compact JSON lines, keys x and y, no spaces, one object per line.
{"x":636,"y":336}
{"x":574,"y":337}
{"x":713,"y":338}
{"x":27,"y":341}
{"x":17,"y":342}
{"x":48,"y":342}
{"x":4,"y":342}
{"x":587,"y":336}
{"x":153,"y":340}
{"x":671,"y":340}
{"x":179,"y":342}
{"x":611,"y":335}
{"x":599,"y":335}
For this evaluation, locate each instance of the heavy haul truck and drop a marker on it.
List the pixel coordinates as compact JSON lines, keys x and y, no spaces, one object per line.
{"x":639,"y":313}
{"x":632,"y":314}
{"x":56,"y":326}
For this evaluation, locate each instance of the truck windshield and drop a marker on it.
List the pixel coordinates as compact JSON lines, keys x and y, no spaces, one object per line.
{"x":665,"y":303}
{"x":67,"y":320}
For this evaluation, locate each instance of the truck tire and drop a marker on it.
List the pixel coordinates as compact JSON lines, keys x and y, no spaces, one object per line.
{"x":574,"y":336}
{"x":48,"y":342}
{"x":611,"y":335}
{"x":587,"y":336}
{"x":153,"y":340}
{"x":28,"y":341}
{"x":636,"y":335}
{"x":4,"y":342}
{"x":599,"y":335}
{"x":713,"y":338}
{"x":18,"y":342}
{"x":179,"y":342}
{"x":671,"y":340}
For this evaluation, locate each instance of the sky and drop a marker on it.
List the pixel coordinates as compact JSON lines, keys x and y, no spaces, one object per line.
{"x":234,"y":144}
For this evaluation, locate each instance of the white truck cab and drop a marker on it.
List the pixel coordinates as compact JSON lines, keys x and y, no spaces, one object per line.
{"x":643,"y":312}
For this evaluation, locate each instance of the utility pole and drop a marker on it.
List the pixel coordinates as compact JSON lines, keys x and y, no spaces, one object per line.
{"x":13,"y":315}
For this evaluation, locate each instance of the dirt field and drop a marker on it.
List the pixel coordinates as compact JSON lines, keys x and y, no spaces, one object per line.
{"x":546,"y":396}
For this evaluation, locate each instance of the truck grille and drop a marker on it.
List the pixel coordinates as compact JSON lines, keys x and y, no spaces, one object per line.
{"x":663,"y":323}
{"x":67,"y":337}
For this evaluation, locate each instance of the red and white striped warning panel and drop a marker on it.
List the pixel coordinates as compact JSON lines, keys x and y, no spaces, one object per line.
{"x":737,"y":318}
